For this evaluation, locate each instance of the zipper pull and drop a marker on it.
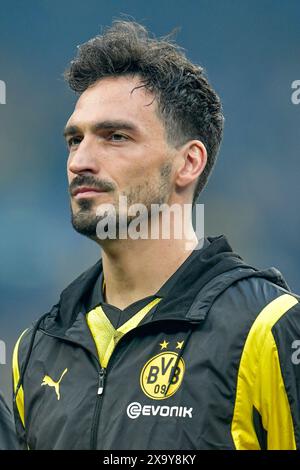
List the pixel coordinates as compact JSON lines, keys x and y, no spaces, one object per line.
{"x":101,"y":381}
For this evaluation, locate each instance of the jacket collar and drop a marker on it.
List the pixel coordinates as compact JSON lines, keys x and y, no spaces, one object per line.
{"x":187,"y":295}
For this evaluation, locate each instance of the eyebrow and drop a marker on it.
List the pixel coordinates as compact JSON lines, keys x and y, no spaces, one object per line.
{"x":99,"y":126}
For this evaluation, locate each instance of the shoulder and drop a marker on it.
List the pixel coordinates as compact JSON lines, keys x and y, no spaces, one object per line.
{"x":263,"y":300}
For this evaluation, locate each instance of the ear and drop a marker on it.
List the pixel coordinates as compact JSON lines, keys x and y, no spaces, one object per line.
{"x":193,"y":159}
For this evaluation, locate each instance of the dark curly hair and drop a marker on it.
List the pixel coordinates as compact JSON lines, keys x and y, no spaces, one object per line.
{"x":187,"y":104}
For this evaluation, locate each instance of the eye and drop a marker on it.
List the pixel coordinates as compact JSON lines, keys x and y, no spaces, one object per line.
{"x":117,"y":137}
{"x":74,"y":141}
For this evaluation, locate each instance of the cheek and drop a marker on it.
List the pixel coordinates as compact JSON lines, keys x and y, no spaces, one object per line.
{"x":140,"y":175}
{"x":147,"y":162}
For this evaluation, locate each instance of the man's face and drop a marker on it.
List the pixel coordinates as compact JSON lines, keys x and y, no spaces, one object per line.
{"x":117,"y":147}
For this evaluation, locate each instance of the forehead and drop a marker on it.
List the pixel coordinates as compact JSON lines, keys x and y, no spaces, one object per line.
{"x":116,"y":98}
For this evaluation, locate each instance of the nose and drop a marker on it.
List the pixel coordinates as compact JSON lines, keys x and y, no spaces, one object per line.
{"x":83,"y":158}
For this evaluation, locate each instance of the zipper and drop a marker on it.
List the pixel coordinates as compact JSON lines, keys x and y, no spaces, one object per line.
{"x":98,"y":407}
{"x":101,"y":381}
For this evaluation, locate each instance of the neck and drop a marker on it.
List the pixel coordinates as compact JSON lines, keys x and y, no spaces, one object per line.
{"x":135,"y":269}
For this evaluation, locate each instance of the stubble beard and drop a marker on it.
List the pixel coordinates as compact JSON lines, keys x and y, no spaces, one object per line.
{"x":85,"y":220}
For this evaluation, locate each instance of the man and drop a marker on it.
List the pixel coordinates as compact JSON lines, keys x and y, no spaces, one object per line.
{"x":8,"y":438}
{"x":167,"y":342}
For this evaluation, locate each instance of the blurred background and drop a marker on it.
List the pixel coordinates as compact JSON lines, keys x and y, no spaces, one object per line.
{"x":250,"y":50}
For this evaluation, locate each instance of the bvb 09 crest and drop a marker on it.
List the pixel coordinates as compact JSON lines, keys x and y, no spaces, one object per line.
{"x":157,"y":373}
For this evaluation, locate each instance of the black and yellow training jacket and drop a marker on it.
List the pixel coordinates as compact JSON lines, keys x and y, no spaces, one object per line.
{"x":209,"y":362}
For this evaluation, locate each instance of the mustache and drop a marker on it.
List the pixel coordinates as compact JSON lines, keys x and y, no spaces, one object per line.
{"x":90,"y":181}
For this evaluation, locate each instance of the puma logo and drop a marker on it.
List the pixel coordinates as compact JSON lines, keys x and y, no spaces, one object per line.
{"x":50,"y":382}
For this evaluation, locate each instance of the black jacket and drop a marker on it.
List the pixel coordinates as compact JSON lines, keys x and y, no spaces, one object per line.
{"x":213,"y":365}
{"x":8,"y":438}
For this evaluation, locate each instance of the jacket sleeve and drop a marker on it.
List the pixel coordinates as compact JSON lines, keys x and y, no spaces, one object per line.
{"x":8,"y":438}
{"x":18,"y":394}
{"x":266,"y":412}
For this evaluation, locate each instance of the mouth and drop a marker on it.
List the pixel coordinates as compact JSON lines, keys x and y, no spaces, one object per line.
{"x":86,"y":192}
